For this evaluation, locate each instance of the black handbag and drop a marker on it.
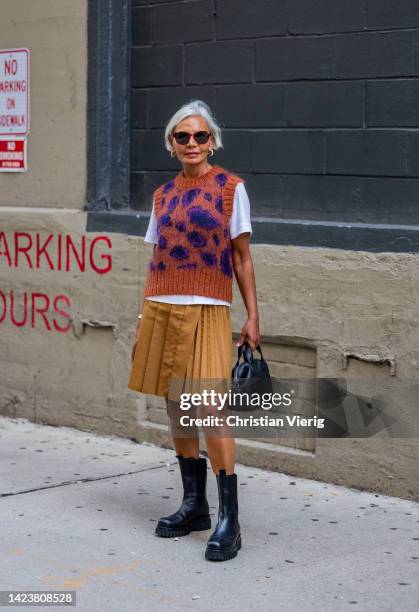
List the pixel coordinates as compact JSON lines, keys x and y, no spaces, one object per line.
{"x":250,"y":377}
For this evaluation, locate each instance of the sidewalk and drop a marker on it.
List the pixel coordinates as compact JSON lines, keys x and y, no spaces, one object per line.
{"x":78,"y":512}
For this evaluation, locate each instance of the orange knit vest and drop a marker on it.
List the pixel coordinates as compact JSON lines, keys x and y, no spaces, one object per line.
{"x":194,"y":254}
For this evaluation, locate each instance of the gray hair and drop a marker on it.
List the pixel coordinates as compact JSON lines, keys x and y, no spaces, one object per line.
{"x":194,"y":107}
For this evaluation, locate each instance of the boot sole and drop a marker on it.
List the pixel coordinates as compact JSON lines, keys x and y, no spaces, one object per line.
{"x":223,"y":555}
{"x":173,"y":532}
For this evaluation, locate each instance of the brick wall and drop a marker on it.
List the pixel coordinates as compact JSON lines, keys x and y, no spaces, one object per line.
{"x":319,"y":101}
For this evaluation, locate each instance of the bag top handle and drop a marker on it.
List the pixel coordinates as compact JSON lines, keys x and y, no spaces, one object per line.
{"x":247,"y":352}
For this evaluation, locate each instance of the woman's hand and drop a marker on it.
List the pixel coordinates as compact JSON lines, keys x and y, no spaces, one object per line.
{"x":250,"y":333}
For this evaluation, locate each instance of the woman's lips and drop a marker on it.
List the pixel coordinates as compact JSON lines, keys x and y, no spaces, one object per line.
{"x":192,"y":154}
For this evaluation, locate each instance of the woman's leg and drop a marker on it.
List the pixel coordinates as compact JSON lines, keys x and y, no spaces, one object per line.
{"x":193,"y":513}
{"x":225,"y":540}
{"x":221,"y":453}
{"x":221,"y":450}
{"x":221,"y":446}
{"x":187,"y":447}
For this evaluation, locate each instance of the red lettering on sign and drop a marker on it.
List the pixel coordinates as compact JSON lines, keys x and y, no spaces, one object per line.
{"x":14,"y":99}
{"x":42,"y":250}
{"x":40,"y":309}
{"x":64,"y":313}
{"x":81,"y":261}
{"x":12,"y":120}
{"x":4,"y":248}
{"x":12,"y":86}
{"x":107,"y":258}
{"x":12,"y":154}
{"x":23,"y":249}
{"x":56,"y":252}
{"x":10,"y":67}
{"x":37,"y":310}
{"x":49,"y":251}
{"x":12,"y":310}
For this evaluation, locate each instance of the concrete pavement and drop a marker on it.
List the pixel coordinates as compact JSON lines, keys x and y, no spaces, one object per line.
{"x":78,"y":512}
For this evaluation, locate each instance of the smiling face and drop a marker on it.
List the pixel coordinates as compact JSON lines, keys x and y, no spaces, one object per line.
{"x":192,"y":153}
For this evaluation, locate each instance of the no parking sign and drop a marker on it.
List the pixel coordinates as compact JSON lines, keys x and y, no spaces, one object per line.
{"x":14,"y":109}
{"x":13,"y":156}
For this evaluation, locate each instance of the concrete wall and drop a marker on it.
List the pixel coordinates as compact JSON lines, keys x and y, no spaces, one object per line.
{"x":66,"y":331}
{"x":55,"y":33}
{"x":68,"y":365}
{"x":315,"y":305}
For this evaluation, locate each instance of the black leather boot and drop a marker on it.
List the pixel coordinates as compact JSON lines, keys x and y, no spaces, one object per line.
{"x":225,"y":541}
{"x":193,"y":513}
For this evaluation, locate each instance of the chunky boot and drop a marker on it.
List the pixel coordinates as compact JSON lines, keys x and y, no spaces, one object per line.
{"x":225,"y":541}
{"x":193,"y":513}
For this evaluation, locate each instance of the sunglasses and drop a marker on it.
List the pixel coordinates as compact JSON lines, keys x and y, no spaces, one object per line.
{"x":183,"y":138}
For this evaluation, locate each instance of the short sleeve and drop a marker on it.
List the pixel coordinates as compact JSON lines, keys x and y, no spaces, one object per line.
{"x":151,"y":234}
{"x":240,"y":217}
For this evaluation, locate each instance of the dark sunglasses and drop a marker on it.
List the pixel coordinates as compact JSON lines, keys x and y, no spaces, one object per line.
{"x":183,"y":138}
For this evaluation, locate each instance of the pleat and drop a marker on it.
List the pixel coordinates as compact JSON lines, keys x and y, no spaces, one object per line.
{"x":183,"y":321}
{"x":180,"y":342}
{"x":223,"y":361}
{"x":156,"y":348}
{"x":211,"y":357}
{"x":145,"y":357}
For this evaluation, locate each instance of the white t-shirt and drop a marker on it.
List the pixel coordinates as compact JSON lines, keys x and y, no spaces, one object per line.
{"x":239,"y":224}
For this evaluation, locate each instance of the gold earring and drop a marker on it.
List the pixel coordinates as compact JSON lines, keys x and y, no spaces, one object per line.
{"x":172,"y":153}
{"x":211,"y":152}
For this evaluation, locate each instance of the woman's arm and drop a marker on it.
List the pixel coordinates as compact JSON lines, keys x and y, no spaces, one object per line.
{"x":150,"y":236}
{"x":245,"y":276}
{"x":137,"y":328}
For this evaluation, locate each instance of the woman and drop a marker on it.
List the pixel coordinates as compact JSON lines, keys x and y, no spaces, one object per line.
{"x":200,"y":224}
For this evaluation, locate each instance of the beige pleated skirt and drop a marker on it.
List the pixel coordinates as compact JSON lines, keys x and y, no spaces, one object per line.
{"x":179,"y":342}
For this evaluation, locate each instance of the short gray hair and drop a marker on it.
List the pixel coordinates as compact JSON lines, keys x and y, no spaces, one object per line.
{"x":194,"y":107}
